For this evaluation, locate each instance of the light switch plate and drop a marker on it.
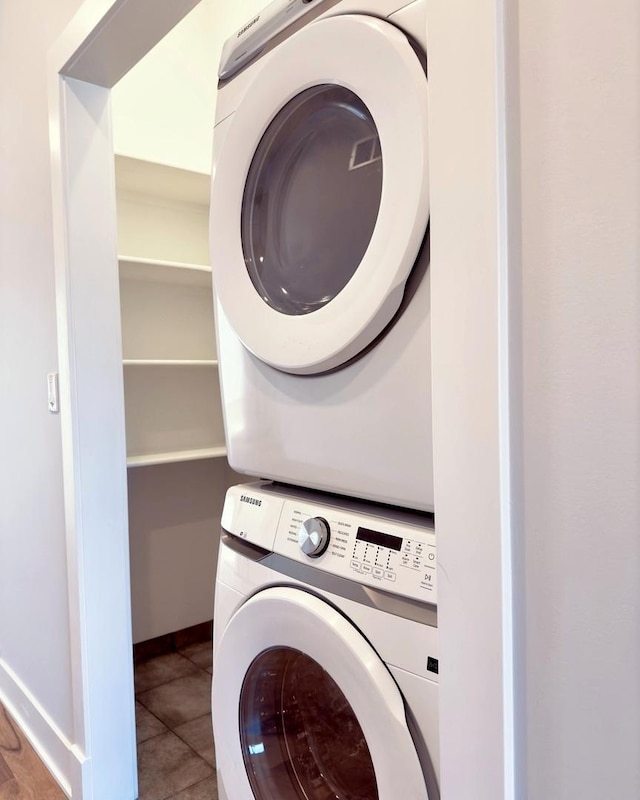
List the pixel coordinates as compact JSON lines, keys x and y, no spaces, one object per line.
{"x":52,"y":392}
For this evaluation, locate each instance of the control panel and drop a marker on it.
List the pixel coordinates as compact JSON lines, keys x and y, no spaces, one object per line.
{"x":394,"y":552}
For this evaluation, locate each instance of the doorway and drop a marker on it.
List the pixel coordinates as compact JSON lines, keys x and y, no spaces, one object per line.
{"x":473,"y":385}
{"x":103,"y":42}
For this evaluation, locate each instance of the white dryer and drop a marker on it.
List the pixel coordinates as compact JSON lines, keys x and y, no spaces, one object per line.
{"x":319,"y":248}
{"x":325,"y":675}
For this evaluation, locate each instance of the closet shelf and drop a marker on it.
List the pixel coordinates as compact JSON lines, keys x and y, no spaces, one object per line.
{"x":162,"y":181}
{"x":152,"y":459}
{"x":157,"y":270}
{"x":169,"y":362}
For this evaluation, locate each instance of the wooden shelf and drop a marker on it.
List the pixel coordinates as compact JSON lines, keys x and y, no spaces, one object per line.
{"x":176,"y":272}
{"x":168,"y":362}
{"x":152,"y":459}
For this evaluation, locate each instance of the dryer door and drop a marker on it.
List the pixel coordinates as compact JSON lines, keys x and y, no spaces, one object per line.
{"x":319,"y":198}
{"x":304,"y":709}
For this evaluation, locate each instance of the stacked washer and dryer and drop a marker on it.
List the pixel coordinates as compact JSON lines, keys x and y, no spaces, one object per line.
{"x":325,"y":629}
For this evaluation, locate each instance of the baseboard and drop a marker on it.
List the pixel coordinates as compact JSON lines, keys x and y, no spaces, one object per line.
{"x":64,"y":761}
{"x":172,"y":642}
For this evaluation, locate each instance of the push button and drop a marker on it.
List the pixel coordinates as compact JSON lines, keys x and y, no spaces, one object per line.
{"x":366,"y":567}
{"x":378,"y":572}
{"x":355,"y":565}
{"x":390,"y":576}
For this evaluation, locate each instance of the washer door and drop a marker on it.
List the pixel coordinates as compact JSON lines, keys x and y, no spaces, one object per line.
{"x":319,"y":198}
{"x":304,"y":709}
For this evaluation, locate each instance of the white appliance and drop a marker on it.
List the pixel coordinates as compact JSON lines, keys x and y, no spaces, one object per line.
{"x":319,"y":248}
{"x":325,"y":676}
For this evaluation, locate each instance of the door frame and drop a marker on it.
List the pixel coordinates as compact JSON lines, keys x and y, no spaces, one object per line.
{"x":102,"y":42}
{"x":476,"y":385}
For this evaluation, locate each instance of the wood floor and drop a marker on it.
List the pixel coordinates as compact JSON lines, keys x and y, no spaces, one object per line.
{"x":22,"y":775}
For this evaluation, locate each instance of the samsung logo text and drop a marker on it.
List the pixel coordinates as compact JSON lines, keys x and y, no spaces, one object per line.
{"x":247,"y":26}
{"x":253,"y":501}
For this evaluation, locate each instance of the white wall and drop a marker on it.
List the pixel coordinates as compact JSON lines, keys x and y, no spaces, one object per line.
{"x":174,"y":522}
{"x":164,"y":109}
{"x":580,"y":132}
{"x":34,"y":619}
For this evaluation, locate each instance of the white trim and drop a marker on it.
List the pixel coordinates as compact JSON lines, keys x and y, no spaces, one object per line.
{"x":504,"y":413}
{"x":510,"y":366}
{"x":106,"y":38}
{"x":471,"y":400}
{"x":93,"y":437}
{"x":395,"y":93}
{"x":64,"y":761}
{"x":103,"y":40}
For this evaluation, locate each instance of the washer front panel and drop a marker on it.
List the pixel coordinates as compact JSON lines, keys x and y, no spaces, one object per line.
{"x":284,"y":617}
{"x":390,"y":554}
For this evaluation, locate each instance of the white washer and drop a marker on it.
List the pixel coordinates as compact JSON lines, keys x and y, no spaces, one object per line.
{"x":319,"y":248}
{"x":325,"y":676}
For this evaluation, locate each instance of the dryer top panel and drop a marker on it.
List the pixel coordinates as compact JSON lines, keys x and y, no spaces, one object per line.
{"x":282,"y":18}
{"x":251,"y":38}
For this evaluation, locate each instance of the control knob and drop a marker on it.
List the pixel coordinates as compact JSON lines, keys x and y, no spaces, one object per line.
{"x":313,"y":537}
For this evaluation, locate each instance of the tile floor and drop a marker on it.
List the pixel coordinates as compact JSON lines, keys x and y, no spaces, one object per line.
{"x":176,"y":758}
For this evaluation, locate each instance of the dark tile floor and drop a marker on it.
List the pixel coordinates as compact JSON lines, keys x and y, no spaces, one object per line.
{"x":176,"y":757}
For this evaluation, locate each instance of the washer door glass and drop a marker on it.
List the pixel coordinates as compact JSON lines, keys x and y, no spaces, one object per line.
{"x":303,"y":708}
{"x":300,"y":738}
{"x":311,"y":199}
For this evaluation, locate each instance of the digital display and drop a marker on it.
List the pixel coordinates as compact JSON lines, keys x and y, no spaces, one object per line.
{"x":381,"y":539}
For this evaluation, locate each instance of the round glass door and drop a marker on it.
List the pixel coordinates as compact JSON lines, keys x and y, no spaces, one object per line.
{"x":311,"y":199}
{"x":320,"y":192}
{"x":304,"y":709}
{"x":301,"y":739}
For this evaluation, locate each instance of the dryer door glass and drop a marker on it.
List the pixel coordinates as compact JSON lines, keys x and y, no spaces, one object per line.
{"x":311,"y":199}
{"x":300,"y":737}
